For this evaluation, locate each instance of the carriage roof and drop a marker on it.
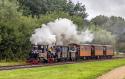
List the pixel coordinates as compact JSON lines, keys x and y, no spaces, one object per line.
{"x":91,"y":45}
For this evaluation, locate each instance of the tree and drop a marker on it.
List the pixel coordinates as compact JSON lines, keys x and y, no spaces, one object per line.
{"x":100,"y":20}
{"x":79,"y":10}
{"x":102,"y":36}
{"x":38,"y":7}
{"x":51,"y":16}
{"x":113,"y":24}
{"x":13,"y":29}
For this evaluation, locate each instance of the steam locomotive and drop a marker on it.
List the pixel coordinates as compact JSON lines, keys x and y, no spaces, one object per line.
{"x":71,"y":52}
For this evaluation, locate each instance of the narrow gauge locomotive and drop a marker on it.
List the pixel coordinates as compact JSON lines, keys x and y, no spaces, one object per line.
{"x":71,"y":52}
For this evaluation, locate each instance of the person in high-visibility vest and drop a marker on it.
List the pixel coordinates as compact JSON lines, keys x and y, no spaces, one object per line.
{"x":50,"y":57}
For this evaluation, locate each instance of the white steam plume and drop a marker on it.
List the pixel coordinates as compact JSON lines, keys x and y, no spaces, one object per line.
{"x":61,"y":32}
{"x":43,"y":36}
{"x":86,"y":36}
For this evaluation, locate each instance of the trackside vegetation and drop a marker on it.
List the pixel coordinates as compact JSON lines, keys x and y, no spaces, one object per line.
{"x":11,"y":63}
{"x":86,"y":70}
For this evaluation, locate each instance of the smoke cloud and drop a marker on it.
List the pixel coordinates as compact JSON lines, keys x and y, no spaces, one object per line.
{"x":61,"y":32}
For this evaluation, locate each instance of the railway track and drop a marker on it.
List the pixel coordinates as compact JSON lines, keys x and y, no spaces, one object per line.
{"x":49,"y":64}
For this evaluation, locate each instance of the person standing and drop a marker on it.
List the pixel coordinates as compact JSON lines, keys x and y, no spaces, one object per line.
{"x":58,"y":52}
{"x":73,"y":51}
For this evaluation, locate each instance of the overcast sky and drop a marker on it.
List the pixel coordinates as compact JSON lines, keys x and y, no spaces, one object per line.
{"x":104,"y":7}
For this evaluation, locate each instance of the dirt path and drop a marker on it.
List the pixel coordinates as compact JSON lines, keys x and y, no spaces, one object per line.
{"x":118,"y":73}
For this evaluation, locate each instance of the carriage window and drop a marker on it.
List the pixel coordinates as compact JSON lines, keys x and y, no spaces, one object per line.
{"x":82,"y":48}
{"x":99,"y":48}
{"x":109,"y":48}
{"x":96,"y":47}
{"x":86,"y":48}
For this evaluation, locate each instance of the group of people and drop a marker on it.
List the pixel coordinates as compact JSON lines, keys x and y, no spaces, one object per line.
{"x":44,"y":53}
{"x":52,"y":54}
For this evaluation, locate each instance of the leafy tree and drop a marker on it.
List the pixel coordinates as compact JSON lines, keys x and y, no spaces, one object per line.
{"x":79,"y":10}
{"x":113,"y":24}
{"x":38,"y":7}
{"x":102,"y":36}
{"x":51,"y":16}
{"x":13,"y":29}
{"x":100,"y":20}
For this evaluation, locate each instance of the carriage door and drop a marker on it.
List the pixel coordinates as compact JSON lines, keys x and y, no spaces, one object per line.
{"x":77,"y":51}
{"x":70,"y":52}
{"x":92,"y":50}
{"x":104,"y":50}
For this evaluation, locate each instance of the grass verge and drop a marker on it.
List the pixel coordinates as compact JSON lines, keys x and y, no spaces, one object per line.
{"x":88,"y":70}
{"x":3,"y":63}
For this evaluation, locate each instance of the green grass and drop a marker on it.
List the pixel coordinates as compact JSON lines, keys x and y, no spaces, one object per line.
{"x":88,"y":70}
{"x":3,"y":63}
